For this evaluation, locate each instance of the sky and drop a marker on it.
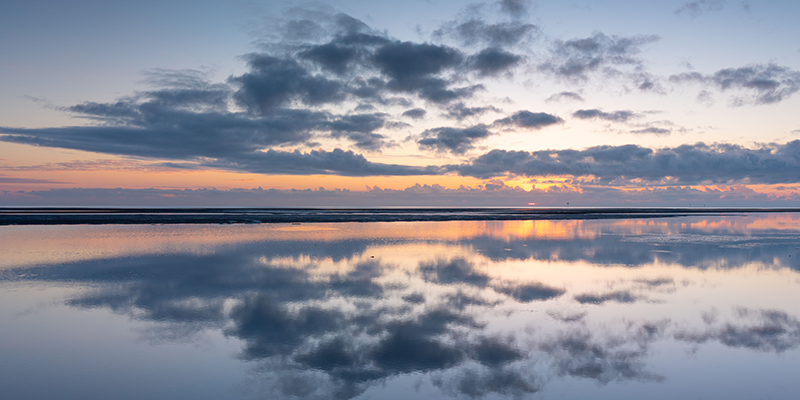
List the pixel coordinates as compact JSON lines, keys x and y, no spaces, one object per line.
{"x":417,"y":103}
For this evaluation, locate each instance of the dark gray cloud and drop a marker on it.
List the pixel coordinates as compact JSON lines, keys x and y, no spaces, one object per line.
{"x":514,"y":8}
{"x":570,"y":96}
{"x":461,"y":271}
{"x":477,"y":31}
{"x":695,"y":8}
{"x":456,"y":270}
{"x":580,"y":354}
{"x":493,"y":61}
{"x":760,"y":330}
{"x":286,"y":93}
{"x":415,"y":68}
{"x":188,"y":120}
{"x":411,"y":346}
{"x":454,"y":140}
{"x":273,"y":318}
{"x":516,"y":383}
{"x":269,"y":329}
{"x":575,"y":59}
{"x":769,"y":83}
{"x":622,"y":296}
{"x":614,"y":116}
{"x":645,"y":82}
{"x":223,"y":141}
{"x":374,"y":92}
{"x":655,"y":282}
{"x":414,"y":298}
{"x":459,"y":111}
{"x":685,"y":164}
{"x":526,"y":293}
{"x":415,"y":113}
{"x":652,"y":130}
{"x":285,"y":96}
{"x":528,"y":120}
{"x":274,"y":82}
{"x":460,"y":300}
{"x":407,"y":62}
{"x":331,"y":56}
{"x":567,"y":317}
{"x":360,"y":129}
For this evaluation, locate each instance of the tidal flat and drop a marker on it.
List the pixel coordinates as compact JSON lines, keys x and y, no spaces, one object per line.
{"x":684,"y":306}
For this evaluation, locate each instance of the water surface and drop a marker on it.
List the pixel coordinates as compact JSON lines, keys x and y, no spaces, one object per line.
{"x":688,"y":307}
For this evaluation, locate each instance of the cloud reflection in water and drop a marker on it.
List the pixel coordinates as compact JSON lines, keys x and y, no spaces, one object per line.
{"x":322,"y":318}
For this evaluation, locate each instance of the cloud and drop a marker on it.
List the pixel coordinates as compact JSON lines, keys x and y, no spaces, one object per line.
{"x":580,"y":354}
{"x":331,"y":56}
{"x":94,"y":165}
{"x":514,"y":8}
{"x":705,"y":97}
{"x":769,"y":83}
{"x":655,"y":282}
{"x":479,"y":383}
{"x":526,"y":293}
{"x":618,"y":296}
{"x":454,"y":140}
{"x":418,"y":195}
{"x":695,"y":8}
{"x":216,"y":150}
{"x":284,"y":98}
{"x":188,"y":120}
{"x":273,"y":83}
{"x":460,"y":111}
{"x":411,"y":346}
{"x":360,"y":129}
{"x":685,"y":164}
{"x":562,"y":96}
{"x":487,"y":195}
{"x":475,"y":31}
{"x":292,"y":94}
{"x":414,"y":298}
{"x":414,"y":68}
{"x":575,"y":59}
{"x":336,"y":162}
{"x":528,"y":120}
{"x":12,"y":180}
{"x":761,"y":330}
{"x":567,"y":317}
{"x":493,"y":61}
{"x":614,"y":116}
{"x":454,"y":271}
{"x":461,"y":271}
{"x":415,"y":113}
{"x":652,"y":130}
{"x":460,"y":300}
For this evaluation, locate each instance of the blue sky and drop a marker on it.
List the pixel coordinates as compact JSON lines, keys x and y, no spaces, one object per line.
{"x":495,"y":103}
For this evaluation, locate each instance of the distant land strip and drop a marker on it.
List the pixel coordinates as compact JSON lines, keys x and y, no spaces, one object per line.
{"x":128,"y":216}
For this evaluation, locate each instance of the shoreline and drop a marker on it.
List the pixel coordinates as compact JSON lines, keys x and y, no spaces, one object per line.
{"x":146,"y":216}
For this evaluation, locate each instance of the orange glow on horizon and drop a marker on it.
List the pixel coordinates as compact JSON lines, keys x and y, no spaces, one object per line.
{"x":29,"y":168}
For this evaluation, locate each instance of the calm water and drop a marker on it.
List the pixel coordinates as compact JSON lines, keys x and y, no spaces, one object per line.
{"x":689,"y":308}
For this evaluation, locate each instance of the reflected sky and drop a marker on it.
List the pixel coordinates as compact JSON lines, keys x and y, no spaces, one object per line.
{"x":661,"y":308}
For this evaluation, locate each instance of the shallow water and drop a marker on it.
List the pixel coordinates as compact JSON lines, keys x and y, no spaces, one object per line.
{"x":689,"y":307}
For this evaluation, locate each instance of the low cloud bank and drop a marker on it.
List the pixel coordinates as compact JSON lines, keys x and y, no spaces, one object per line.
{"x":491,"y":194}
